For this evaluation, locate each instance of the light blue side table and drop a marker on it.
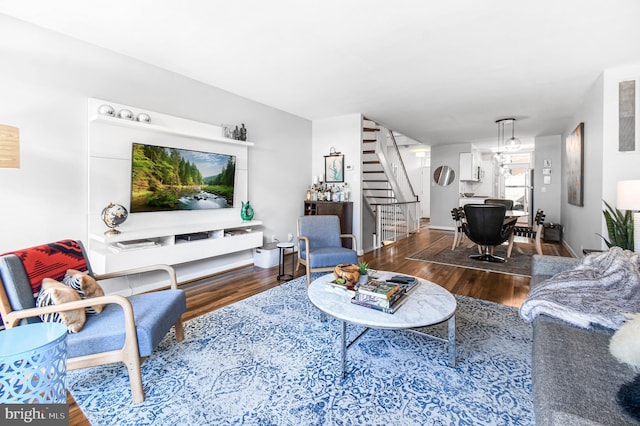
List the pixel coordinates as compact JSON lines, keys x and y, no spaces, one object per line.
{"x":33,"y":361}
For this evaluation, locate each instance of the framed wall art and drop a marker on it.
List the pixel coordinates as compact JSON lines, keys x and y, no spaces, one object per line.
{"x":334,"y":168}
{"x":575,"y":166}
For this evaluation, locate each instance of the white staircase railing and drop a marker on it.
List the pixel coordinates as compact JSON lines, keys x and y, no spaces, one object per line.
{"x":391,"y":223}
{"x":391,"y":161}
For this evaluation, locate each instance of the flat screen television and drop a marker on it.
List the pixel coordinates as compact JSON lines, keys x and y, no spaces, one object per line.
{"x":166,"y":179}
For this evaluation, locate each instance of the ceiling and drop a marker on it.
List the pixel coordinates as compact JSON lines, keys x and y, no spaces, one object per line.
{"x":438,"y":72}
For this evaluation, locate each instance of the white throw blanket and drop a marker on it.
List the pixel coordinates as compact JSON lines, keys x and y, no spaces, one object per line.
{"x":602,"y":290}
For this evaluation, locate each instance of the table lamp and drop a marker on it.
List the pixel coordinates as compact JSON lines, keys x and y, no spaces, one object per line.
{"x":629,"y":199}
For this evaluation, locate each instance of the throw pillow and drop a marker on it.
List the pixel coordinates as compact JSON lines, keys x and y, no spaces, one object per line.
{"x":629,"y":397}
{"x":625,"y":344}
{"x":56,"y":293}
{"x":86,"y":286}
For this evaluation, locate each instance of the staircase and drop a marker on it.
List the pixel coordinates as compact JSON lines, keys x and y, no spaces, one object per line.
{"x":386,"y":187}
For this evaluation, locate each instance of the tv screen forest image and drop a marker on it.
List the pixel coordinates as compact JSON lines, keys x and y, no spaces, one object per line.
{"x":165,"y":179}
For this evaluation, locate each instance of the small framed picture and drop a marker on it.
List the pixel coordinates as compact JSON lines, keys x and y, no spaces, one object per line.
{"x":546,"y":172}
{"x":547,"y":180}
{"x":546,"y":163}
{"x":334,"y":168}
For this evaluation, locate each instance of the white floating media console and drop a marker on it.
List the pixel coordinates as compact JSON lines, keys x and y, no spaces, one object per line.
{"x":108,"y":256}
{"x":196,"y":242}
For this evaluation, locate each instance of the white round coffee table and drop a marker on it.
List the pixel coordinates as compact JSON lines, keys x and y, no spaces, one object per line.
{"x":427,"y":304}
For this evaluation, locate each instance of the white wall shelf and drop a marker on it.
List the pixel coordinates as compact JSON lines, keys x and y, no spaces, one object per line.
{"x":159,"y":232}
{"x":170,"y":250}
{"x":109,"y":152}
{"x":114,"y":121}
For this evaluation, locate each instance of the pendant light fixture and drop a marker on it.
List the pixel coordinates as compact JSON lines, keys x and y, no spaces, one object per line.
{"x":498,"y":157}
{"x":513,"y":144}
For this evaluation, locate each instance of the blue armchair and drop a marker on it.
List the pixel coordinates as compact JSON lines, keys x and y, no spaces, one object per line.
{"x":127,"y":330}
{"x":320,"y":244}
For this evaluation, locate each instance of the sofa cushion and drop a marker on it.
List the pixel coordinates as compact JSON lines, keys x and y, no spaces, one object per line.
{"x":625,"y":343}
{"x":629,"y":397}
{"x":331,"y":256}
{"x":56,"y":293}
{"x":551,"y":265}
{"x":575,"y":378}
{"x":86,"y":286}
{"x":154,"y":314}
{"x":17,"y":285}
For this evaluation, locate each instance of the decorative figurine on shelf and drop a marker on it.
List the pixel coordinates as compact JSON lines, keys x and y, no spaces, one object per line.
{"x":243,"y":133}
{"x":114,"y":215}
{"x":246,"y":212}
{"x":236,"y":133}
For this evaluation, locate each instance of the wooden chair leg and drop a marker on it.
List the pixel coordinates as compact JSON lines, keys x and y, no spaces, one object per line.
{"x":308,"y":275}
{"x":135,"y":378}
{"x":179,"y":330}
{"x":538,"y":243}
{"x":455,"y":240}
{"x":510,"y":247}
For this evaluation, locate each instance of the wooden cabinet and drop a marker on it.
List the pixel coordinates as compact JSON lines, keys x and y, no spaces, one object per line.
{"x":343,"y":210}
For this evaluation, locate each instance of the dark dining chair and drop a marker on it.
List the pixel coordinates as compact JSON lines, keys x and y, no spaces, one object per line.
{"x":534,"y":232}
{"x":507,"y":203}
{"x":457,"y":214}
{"x":487,"y":226}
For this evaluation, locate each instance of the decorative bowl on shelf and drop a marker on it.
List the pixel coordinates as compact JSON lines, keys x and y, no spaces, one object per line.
{"x":143,"y":118}
{"x":468,"y":194}
{"x":126,"y":114}
{"x":107,"y":110}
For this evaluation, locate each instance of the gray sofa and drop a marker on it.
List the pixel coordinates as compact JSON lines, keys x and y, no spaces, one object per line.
{"x":575,"y":378}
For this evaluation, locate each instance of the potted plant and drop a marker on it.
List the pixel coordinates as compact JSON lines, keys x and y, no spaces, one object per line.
{"x":619,"y":228}
{"x":364,"y":272}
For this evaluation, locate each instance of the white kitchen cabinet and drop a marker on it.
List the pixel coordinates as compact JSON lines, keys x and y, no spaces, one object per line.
{"x":470,"y":166}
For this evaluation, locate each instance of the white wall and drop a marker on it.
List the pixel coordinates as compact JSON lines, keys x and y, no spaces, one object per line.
{"x":581,"y":224}
{"x":415,"y":167}
{"x":45,"y":80}
{"x":444,"y":198}
{"x":618,"y":165}
{"x":604,"y":164}
{"x":548,"y":197}
{"x":344,"y":133}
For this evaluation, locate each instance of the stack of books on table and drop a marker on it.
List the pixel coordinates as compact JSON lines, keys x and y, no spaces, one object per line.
{"x":380,"y":295}
{"x":406,"y":282}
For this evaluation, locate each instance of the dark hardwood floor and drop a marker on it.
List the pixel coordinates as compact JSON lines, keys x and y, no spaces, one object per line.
{"x":214,"y":292}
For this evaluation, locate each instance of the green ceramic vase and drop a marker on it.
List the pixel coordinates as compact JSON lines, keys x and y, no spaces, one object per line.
{"x":246,"y":212}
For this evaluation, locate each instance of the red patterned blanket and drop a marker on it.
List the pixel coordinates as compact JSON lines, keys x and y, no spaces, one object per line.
{"x":51,"y":261}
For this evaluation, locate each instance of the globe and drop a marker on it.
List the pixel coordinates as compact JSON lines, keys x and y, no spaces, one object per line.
{"x":114,"y":215}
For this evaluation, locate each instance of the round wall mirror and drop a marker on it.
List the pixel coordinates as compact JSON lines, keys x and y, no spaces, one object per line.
{"x":444,"y":175}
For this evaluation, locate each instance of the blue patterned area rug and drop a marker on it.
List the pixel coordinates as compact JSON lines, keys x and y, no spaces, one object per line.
{"x":272,"y":360}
